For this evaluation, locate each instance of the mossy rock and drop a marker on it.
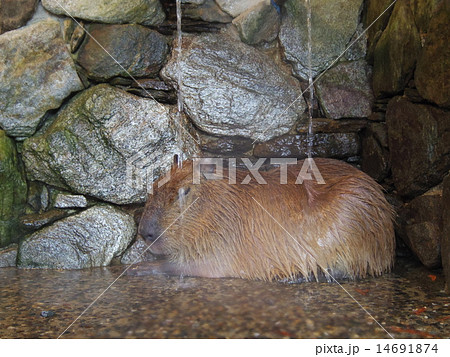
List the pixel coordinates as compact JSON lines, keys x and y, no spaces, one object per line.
{"x":13,"y":190}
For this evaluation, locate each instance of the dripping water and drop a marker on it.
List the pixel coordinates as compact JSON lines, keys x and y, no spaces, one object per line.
{"x":179,"y":118}
{"x":181,"y":191}
{"x":310,"y":136}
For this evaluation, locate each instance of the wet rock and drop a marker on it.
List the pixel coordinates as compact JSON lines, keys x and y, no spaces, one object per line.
{"x":333,"y":25}
{"x":374,"y":152}
{"x":13,"y":191}
{"x":423,"y":11}
{"x":378,"y":116}
{"x":47,"y":314}
{"x":197,"y":2}
{"x":74,"y":34}
{"x":357,"y":49}
{"x":35,"y":190}
{"x":225,"y":146}
{"x":89,"y":239}
{"x":433,"y":66}
{"x":325,"y":125}
{"x":232,"y":89}
{"x":344,"y":91}
{"x":35,"y":221}
{"x":145,"y":12}
{"x":374,"y":8}
{"x":261,"y":23}
{"x":137,"y":253}
{"x":15,"y":13}
{"x":207,"y":11}
{"x":445,"y":243}
{"x":151,"y":88}
{"x":104,"y":143}
{"x":36,"y":75}
{"x":8,"y":256}
{"x":396,"y":52}
{"x":41,"y":14}
{"x":70,"y":201}
{"x":237,"y":7}
{"x":337,"y":145}
{"x":419,"y":144}
{"x":421,"y":221}
{"x":412,"y":94}
{"x":139,"y":51}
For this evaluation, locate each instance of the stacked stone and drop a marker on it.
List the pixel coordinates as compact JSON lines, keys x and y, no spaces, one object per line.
{"x":410,"y":55}
{"x":88,"y":92}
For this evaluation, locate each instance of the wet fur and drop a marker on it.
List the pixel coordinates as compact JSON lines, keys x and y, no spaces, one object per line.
{"x":344,"y":226}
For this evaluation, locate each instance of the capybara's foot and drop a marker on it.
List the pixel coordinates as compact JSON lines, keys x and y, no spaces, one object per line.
{"x":156,"y":267}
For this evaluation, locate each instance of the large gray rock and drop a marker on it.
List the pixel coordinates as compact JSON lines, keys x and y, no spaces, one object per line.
{"x":345,"y":91}
{"x":13,"y":191}
{"x":145,"y":12}
{"x":396,"y":52}
{"x":15,"y":13}
{"x":89,"y":239}
{"x":130,"y":50}
{"x":36,"y":75}
{"x":333,"y":25}
{"x":101,"y":144}
{"x":232,"y":89}
{"x":419,"y":145}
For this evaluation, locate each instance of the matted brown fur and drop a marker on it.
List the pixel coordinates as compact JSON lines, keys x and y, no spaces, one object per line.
{"x":272,"y":231}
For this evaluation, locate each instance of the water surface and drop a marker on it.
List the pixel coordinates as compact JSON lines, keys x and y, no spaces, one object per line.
{"x":408,"y":303}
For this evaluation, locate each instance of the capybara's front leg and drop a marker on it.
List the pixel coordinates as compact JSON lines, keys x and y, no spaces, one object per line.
{"x":166,"y":267}
{"x":156,"y":267}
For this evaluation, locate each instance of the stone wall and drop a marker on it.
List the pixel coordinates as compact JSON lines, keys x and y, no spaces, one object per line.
{"x":89,"y":90}
{"x":410,"y":57}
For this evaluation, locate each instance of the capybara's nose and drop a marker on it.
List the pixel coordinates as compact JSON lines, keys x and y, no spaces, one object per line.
{"x":149,"y":229}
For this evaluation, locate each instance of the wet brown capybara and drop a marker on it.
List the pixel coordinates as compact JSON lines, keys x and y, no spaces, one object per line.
{"x":342,"y":229}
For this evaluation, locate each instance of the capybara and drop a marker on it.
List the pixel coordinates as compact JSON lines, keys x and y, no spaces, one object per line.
{"x":342,"y":229}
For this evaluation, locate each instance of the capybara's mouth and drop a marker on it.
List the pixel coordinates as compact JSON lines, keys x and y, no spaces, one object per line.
{"x":157,"y":247}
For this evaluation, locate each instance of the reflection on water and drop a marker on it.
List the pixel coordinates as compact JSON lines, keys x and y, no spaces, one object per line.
{"x":408,"y":303}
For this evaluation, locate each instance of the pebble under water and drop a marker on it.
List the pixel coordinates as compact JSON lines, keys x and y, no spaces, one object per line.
{"x":410,"y":302}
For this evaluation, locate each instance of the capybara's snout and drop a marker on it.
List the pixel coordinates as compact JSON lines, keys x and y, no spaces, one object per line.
{"x":149,"y":229}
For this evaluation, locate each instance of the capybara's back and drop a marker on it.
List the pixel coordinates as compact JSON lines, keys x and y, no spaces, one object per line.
{"x":274,"y":231}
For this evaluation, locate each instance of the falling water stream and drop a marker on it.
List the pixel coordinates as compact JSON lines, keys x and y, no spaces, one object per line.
{"x":180,"y":156}
{"x":181,"y":193}
{"x":310,"y":136}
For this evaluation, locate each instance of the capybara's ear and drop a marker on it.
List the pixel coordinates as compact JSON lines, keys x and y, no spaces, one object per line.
{"x":182,"y":192}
